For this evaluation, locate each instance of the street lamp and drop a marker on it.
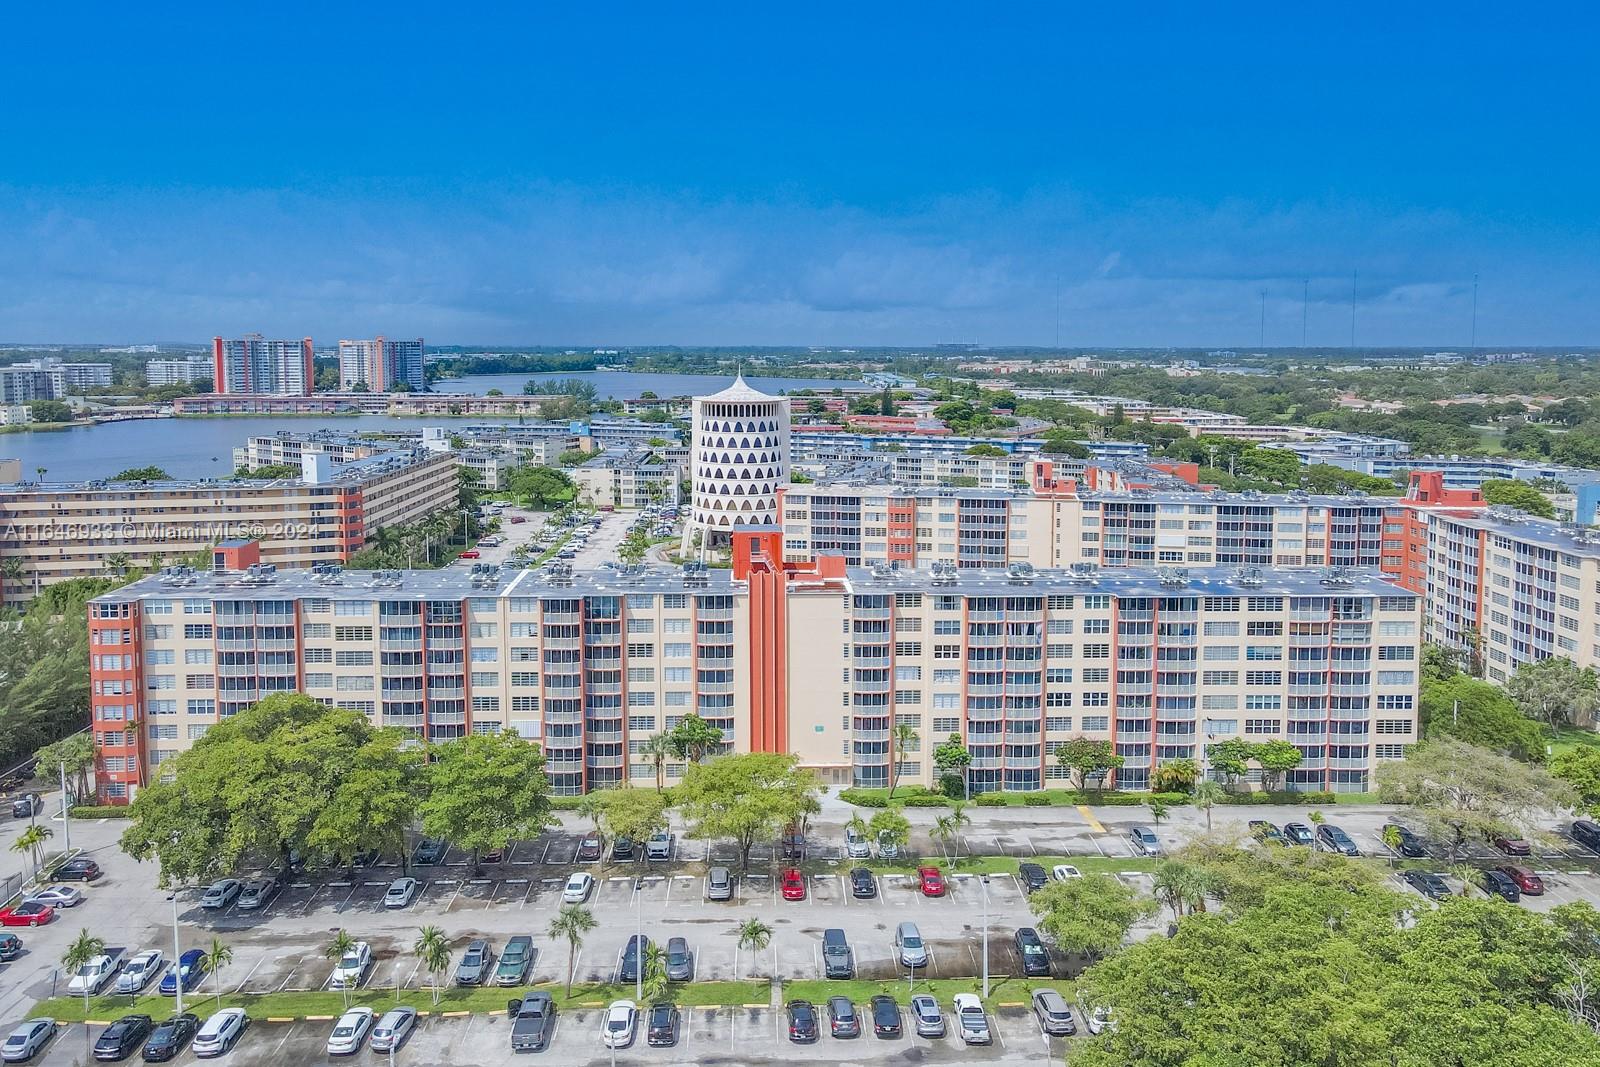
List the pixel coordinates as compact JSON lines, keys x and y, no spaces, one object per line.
{"x":177,"y":951}
{"x":66,"y":814}
{"x":638,"y":943}
{"x":984,"y":880}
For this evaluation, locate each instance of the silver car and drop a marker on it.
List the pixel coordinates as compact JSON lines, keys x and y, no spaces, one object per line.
{"x":393,"y":1029}
{"x":257,"y":893}
{"x":719,"y":884}
{"x":221,"y":894}
{"x":929,"y":1019}
{"x":25,"y":1041}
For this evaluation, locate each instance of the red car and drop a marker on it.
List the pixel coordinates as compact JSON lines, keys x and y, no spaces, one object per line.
{"x":1530,"y":884}
{"x":794,"y":884}
{"x":1511,"y":846}
{"x":932,"y":881}
{"x":516,"y":519}
{"x":28,"y":913}
{"x":470,"y":553}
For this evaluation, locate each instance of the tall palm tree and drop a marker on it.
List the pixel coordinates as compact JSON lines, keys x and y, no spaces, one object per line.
{"x":572,"y":922}
{"x":959,"y":821}
{"x":433,"y":949}
{"x":217,"y":956}
{"x":943,"y":831}
{"x":905,"y":738}
{"x":1206,"y":795}
{"x":84,"y":948}
{"x":32,"y":842}
{"x":857,"y":826}
{"x":342,"y":942}
{"x":655,"y":973}
{"x":659,"y":748}
{"x":754,"y":935}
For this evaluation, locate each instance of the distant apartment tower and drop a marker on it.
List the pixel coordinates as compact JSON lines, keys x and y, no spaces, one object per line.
{"x":379,"y":364}
{"x":50,"y":379}
{"x":179,"y":371}
{"x":254,"y":364}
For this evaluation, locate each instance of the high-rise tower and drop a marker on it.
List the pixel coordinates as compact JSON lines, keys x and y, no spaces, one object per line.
{"x":739,"y":461}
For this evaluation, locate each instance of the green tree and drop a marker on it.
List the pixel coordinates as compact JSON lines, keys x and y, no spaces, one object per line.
{"x":85,"y":948}
{"x":1519,"y":495}
{"x":890,"y":826}
{"x":570,"y":924}
{"x":1175,"y":776}
{"x":693,"y":738}
{"x":1158,"y":809}
{"x":486,"y":790}
{"x":339,"y":945}
{"x":32,"y":842}
{"x":433,"y":950}
{"x":659,"y":748}
{"x":374,"y":804}
{"x":50,"y":411}
{"x":634,"y":813}
{"x":217,"y":956}
{"x":633,"y":547}
{"x":1555,"y":691}
{"x":1206,"y":795}
{"x":748,"y":797}
{"x":1463,"y":708}
{"x":141,"y":474}
{"x":1181,"y":887}
{"x":754,"y":936}
{"x":76,"y":754}
{"x":1276,"y":758}
{"x":1579,"y":768}
{"x":1089,"y":916}
{"x":654,"y":975}
{"x":951,"y":760}
{"x":1086,"y":758}
{"x":905,"y":740}
{"x":1230,"y":758}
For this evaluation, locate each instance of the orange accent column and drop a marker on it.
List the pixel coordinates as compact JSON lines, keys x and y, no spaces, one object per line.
{"x":758,"y":560}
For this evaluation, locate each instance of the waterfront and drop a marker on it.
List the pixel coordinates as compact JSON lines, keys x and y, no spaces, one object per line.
{"x":203,"y":447}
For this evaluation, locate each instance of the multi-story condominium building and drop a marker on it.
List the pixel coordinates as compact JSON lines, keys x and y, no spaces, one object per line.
{"x":1582,"y":486}
{"x":288,"y":448}
{"x":79,"y":530}
{"x":179,"y":371}
{"x":424,"y":404}
{"x":809,"y":446}
{"x":1348,"y":450}
{"x":492,"y":466}
{"x":611,"y":431}
{"x":592,"y":664}
{"x":636,"y":478}
{"x":257,"y":366}
{"x":379,"y":365}
{"x":739,"y":462}
{"x":23,"y":383}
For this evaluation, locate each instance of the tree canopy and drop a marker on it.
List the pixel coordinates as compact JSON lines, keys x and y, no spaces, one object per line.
{"x":1519,"y":495}
{"x":1478,"y":713}
{"x":748,"y":797}
{"x":1555,"y":691}
{"x":486,"y":790}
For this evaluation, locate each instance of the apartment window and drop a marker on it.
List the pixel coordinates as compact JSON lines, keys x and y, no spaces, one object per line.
{"x":1093,"y":723}
{"x":1058,"y":700}
{"x":674,"y":626}
{"x":1397,"y":652}
{"x":316,"y":655}
{"x":644,"y":650}
{"x":677,"y":674}
{"x":1263,"y":677}
{"x":313,"y":681}
{"x":1095,"y":700}
{"x":486,"y":679}
{"x":908,"y":696}
{"x":946,"y":725}
{"x":946,"y":677}
{"x":907,"y":673}
{"x":1221,"y":653}
{"x":1262,"y":726}
{"x":1389,"y":751}
{"x":194,"y":631}
{"x":1220,"y":678}
{"x":946,"y":627}
{"x":641,"y":698}
{"x":641,"y":674}
{"x":1397,"y":677}
{"x":946,"y":701}
{"x":1058,"y":724}
{"x":1393,"y":726}
{"x":675,"y":650}
{"x":1394,"y":702}
{"x":1219,"y":701}
{"x":352,"y":633}
{"x":485,"y":705}
{"x":524,"y":705}
{"x":908,"y":648}
{"x":641,"y":723}
{"x":1222,"y":629}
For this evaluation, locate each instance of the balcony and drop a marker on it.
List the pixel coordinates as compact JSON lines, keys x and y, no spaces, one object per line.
{"x":246,"y":644}
{"x":858,"y":685}
{"x":869,"y":735}
{"x":1175,"y":690}
{"x":604,"y":689}
{"x":856,"y":613}
{"x":605,"y":763}
{"x":603,"y":737}
{"x":401,"y":646}
{"x":1023,"y":763}
{"x":447,"y":718}
{"x":705,"y":688}
{"x":564,"y":718}
{"x":565,"y":766}
{"x":870,"y":759}
{"x":564,"y":643}
{"x":985,"y":690}
{"x":985,"y":640}
{"x":991,"y":763}
{"x":1136,"y":616}
{"x":562,"y":618}
{"x":1350,"y":690}
{"x":443,"y":692}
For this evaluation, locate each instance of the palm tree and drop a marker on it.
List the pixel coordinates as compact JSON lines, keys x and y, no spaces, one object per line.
{"x":218,"y":955}
{"x":659,"y":748}
{"x":572,"y":922}
{"x":754,"y":935}
{"x":84,"y":948}
{"x":959,"y":821}
{"x":857,"y":826}
{"x":32,"y":842}
{"x":1180,"y":887}
{"x":905,"y":738}
{"x":433,"y":948}
{"x":1158,"y":810}
{"x":1466,"y":872}
{"x":1392,"y":840}
{"x":655,"y":973}
{"x":342,"y":942}
{"x":943,"y":831}
{"x":1206,"y":795}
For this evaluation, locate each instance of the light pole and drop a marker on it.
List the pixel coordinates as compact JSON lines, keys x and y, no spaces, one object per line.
{"x":984,"y":878}
{"x":66,"y":814}
{"x":638,"y":944}
{"x":177,"y":952}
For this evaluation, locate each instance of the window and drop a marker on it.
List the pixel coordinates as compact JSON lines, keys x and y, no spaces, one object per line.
{"x":1397,"y":652}
{"x":1058,"y":700}
{"x":1262,"y":726}
{"x":1058,"y":723}
{"x":904,"y":673}
{"x":1096,"y":722}
{"x":675,"y":650}
{"x":1393,"y":726}
{"x":1263,"y":677}
{"x":946,"y":725}
{"x":908,"y":648}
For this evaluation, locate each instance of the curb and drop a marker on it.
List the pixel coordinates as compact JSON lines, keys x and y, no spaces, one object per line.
{"x":319,"y":1018}
{"x":282,"y":1019}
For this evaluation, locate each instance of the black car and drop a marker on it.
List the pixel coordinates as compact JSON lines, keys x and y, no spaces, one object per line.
{"x":1033,"y":876}
{"x":10,"y":946}
{"x":661,"y":1029}
{"x":1035,"y":957}
{"x":622,"y":848}
{"x":170,"y":1038}
{"x":81,"y":869}
{"x":430,"y":852}
{"x":862,"y":884}
{"x":1586,"y":832}
{"x":802,"y":1020}
{"x":117,"y":1041}
{"x":1298,"y":833}
{"x":843,"y":1019}
{"x":1406,"y":843}
{"x":1428,"y":884}
{"x":1334,"y":839}
{"x":1502,"y":885}
{"x":885,"y":1016}
{"x":632,"y":952}
{"x":26,"y":805}
{"x":589,"y":848}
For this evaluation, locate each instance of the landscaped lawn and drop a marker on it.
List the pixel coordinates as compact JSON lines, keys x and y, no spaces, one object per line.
{"x":1002,"y":990}
{"x":1571,"y":737}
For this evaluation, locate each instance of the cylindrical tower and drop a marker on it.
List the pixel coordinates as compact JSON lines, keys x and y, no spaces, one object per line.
{"x":739,"y":461}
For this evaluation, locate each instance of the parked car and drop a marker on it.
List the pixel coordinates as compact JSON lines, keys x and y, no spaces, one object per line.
{"x":793,"y":884}
{"x":856,"y":845}
{"x":802,"y":1020}
{"x":863,"y":886}
{"x":257,"y":893}
{"x":659,"y":847}
{"x":1586,"y":832}
{"x":430,"y":852}
{"x":719,"y":884}
{"x":494,"y":855}
{"x":1529,"y":883}
{"x":909,"y":947}
{"x":1333,"y":839}
{"x":518,"y":519}
{"x":400,"y":892}
{"x":24,"y":1043}
{"x":58,"y":896}
{"x":1144,"y":841}
{"x":680,"y":961}
{"x":885,"y":1016}
{"x":27,"y":913}
{"x":189,"y":969}
{"x":1035,"y":957}
{"x":926,"y":1015}
{"x":1427,"y":883}
{"x":661,"y":1026}
{"x":352,"y":966}
{"x":1407,"y":843}
{"x":1032,"y":876}
{"x":632,"y":957}
{"x":218,"y":1034}
{"x":838,"y":960}
{"x":1099,"y":1020}
{"x":792,"y":843}
{"x":170,"y":1037}
{"x":622,"y":848}
{"x":1511,"y":846}
{"x":531,"y":1021}
{"x":391,"y":1031}
{"x":474,"y":965}
{"x":350,"y":1032}
{"x":470,"y":553}
{"x":578,"y":888}
{"x":27,"y":805}
{"x":221,"y":894}
{"x":1500,"y":884}
{"x":10,"y":947}
{"x":590,"y":848}
{"x":1054,"y":1013}
{"x":1298,"y":833}
{"x":117,"y":1041}
{"x":843,"y":1019}
{"x":140,"y":970}
{"x":971,"y":1022}
{"x":514,"y":961}
{"x":931,"y":881}
{"x":1262,"y":830}
{"x":621,"y":1020}
{"x":80,"y":869}
{"x":1065,"y":872}
{"x":91,"y":977}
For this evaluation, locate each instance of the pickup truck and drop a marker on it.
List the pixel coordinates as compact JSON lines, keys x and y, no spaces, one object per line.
{"x":94,"y":975}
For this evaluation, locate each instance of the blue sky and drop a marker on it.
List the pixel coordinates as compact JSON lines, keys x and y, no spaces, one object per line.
{"x":815,"y":174}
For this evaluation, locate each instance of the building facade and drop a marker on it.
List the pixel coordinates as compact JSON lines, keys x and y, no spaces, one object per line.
{"x":379,"y":365}
{"x":254,"y":365}
{"x":740,"y":460}
{"x":179,"y":371}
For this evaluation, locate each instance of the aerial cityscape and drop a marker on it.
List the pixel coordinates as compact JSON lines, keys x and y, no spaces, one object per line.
{"x":929,"y":536}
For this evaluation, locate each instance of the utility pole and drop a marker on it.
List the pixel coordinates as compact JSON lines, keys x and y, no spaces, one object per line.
{"x":66,"y":813}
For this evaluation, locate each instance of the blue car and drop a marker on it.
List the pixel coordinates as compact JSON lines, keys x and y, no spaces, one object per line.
{"x":191,"y":966}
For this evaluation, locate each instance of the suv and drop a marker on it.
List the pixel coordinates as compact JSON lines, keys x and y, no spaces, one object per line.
{"x":837,"y":959}
{"x":1033,"y":876}
{"x":430,"y":852}
{"x":909,"y":947}
{"x":1054,"y":1013}
{"x":862,"y":885}
{"x":638,"y":946}
{"x":514,"y":961}
{"x":1500,"y":884}
{"x":1427,"y":883}
{"x":659,"y":847}
{"x":27,"y":804}
{"x":1035,"y":957}
{"x":1587,"y":833}
{"x":1334,"y":839}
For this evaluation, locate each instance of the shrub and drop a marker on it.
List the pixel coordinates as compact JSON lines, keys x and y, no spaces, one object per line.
{"x":862,"y":798}
{"x":107,"y":811}
{"x":1036,"y":800}
{"x":991,"y":800}
{"x":928,"y":800}
{"x":1170,"y":799}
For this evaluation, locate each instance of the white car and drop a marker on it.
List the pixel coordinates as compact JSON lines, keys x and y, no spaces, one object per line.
{"x":349,"y":1032}
{"x":219,"y":1033}
{"x":138,"y":971}
{"x":26,"y":1040}
{"x":1099,"y":1020}
{"x":1065,"y":872}
{"x":221,"y":894}
{"x":856,"y":845}
{"x":621,"y":1020}
{"x":58,"y":896}
{"x":92,"y":976}
{"x":401,"y":890}
{"x":258,"y":893}
{"x":351,"y":966}
{"x":393,"y":1029}
{"x":578,"y":888}
{"x":970,"y":1019}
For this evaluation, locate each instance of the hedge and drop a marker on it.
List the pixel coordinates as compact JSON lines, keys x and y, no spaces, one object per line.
{"x":105,"y":811}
